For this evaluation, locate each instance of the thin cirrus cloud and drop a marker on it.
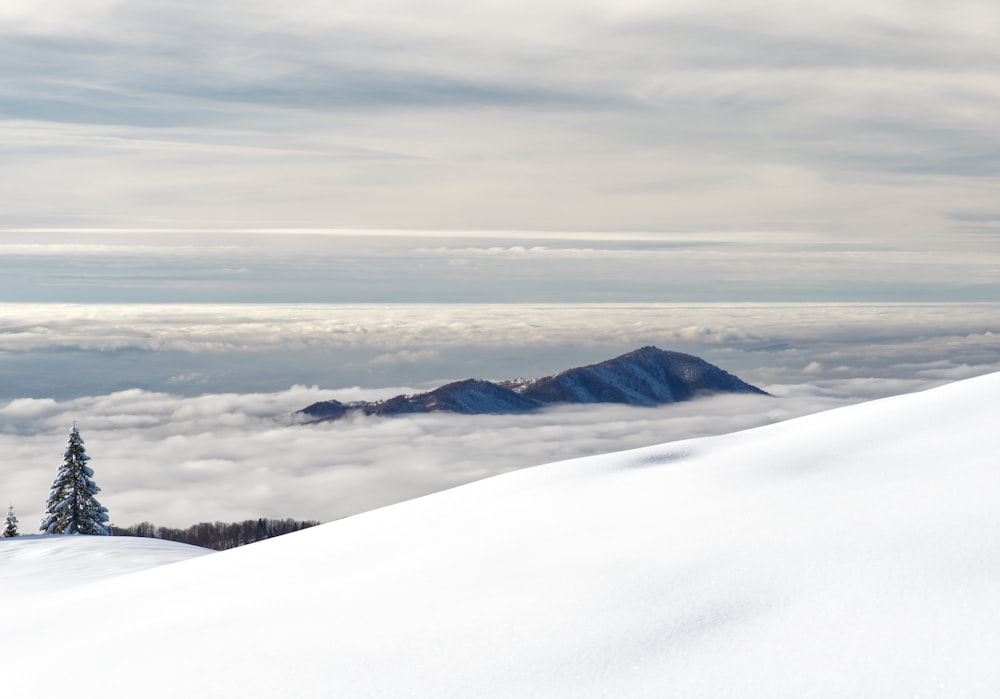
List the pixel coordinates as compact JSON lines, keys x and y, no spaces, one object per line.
{"x":292,"y":266}
{"x":854,"y":120}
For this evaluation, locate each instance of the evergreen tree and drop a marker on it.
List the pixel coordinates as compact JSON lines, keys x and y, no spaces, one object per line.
{"x":72,"y":507}
{"x":10,"y":524}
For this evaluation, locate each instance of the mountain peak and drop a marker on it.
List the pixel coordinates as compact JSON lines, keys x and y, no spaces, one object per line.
{"x":646,"y":376}
{"x":645,"y":350}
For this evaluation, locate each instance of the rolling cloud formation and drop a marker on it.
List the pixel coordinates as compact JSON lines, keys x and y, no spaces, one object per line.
{"x":200,"y":426}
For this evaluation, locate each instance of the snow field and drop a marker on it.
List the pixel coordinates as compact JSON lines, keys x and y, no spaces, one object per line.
{"x":849,"y":553}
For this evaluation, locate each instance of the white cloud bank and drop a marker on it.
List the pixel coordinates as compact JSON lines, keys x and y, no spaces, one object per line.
{"x":410,"y":327}
{"x":175,"y":461}
{"x":201,"y":427}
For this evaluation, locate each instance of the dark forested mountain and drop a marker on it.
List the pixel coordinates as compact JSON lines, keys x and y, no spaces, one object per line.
{"x":648,"y":376}
{"x":469,"y":397}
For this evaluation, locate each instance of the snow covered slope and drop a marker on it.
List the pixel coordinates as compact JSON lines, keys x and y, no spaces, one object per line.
{"x":845,"y":554}
{"x":37,"y":565}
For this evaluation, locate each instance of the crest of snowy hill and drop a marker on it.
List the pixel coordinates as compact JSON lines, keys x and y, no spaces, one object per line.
{"x":848,"y":553}
{"x":648,"y":376}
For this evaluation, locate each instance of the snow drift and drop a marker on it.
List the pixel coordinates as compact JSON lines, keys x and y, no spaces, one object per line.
{"x":849,"y":553}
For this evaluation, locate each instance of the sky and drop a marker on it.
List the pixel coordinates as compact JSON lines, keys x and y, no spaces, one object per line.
{"x":544,"y":151}
{"x":490,"y":267}
{"x":212,"y":215}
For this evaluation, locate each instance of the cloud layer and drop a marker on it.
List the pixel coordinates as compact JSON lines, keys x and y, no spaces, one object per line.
{"x":871,"y":120}
{"x":499,"y":267}
{"x":75,"y":350}
{"x":202,"y":427}
{"x":175,"y":461}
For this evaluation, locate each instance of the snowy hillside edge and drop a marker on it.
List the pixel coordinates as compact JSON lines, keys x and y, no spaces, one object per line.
{"x":847,"y":553}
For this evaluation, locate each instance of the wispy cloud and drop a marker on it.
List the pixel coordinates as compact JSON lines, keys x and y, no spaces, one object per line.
{"x":164,"y":266}
{"x":871,"y":121}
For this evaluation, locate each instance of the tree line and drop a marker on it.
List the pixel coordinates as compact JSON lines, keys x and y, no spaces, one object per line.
{"x":218,"y":535}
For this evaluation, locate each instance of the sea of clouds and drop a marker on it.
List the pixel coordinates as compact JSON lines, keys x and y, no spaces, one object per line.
{"x":189,"y":411}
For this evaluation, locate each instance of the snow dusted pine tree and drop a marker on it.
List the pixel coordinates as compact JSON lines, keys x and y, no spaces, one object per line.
{"x":72,"y":507}
{"x":10,"y":524}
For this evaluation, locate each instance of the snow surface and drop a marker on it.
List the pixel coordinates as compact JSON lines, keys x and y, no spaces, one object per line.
{"x":853,"y":553}
{"x":40,"y":564}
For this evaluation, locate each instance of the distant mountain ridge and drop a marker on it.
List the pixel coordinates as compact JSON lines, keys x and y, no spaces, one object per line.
{"x":647,"y":376}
